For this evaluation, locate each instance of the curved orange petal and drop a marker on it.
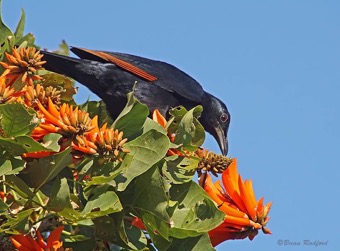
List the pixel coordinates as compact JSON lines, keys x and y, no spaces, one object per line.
{"x":238,"y":221}
{"x":53,"y":239}
{"x":34,"y":244}
{"x":52,"y":109}
{"x":18,"y":245}
{"x":246,"y":198}
{"x":37,"y":155}
{"x":137,"y":222}
{"x":158,"y":117}
{"x":232,"y":211}
{"x":48,"y":127}
{"x":217,"y":196}
{"x":48,"y":115}
{"x":22,"y":243}
{"x":230,"y":178}
{"x":40,"y":240}
{"x":92,"y":134}
{"x":211,"y":190}
{"x":249,"y":187}
{"x":259,"y":208}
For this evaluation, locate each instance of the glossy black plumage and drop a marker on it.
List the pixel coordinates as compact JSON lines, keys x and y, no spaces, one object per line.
{"x":172,"y":88}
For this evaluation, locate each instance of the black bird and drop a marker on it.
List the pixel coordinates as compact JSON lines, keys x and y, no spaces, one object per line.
{"x":160,"y":85}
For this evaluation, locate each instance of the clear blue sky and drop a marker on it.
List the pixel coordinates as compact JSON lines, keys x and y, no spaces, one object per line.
{"x":276,"y":64}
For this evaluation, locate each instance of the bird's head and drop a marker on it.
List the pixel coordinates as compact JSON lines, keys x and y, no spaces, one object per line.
{"x":215,"y":120}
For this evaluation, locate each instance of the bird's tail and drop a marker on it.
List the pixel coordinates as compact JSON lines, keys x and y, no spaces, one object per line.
{"x":62,"y":64}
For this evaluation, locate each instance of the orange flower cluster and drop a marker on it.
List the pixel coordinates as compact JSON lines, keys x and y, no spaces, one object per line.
{"x":38,"y":93}
{"x":244,"y":214}
{"x":211,"y":162}
{"x":79,"y":130}
{"x":27,"y":243}
{"x":24,"y":63}
{"x":66,"y":121}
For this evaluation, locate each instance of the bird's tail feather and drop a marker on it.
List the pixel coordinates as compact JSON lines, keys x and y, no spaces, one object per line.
{"x":61,"y":64}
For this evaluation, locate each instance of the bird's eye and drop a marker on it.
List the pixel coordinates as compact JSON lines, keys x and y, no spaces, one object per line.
{"x":224,"y":117}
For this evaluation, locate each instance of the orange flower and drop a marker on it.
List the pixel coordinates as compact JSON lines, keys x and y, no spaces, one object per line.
{"x":24,"y":63}
{"x":110,"y":142}
{"x":79,"y":130}
{"x":244,"y":214}
{"x":27,"y":243}
{"x":73,"y":124}
{"x":38,"y":93}
{"x":137,"y":222}
{"x":37,"y":155}
{"x":7,"y":94}
{"x":159,"y":118}
{"x":82,"y":144}
{"x":66,"y":121}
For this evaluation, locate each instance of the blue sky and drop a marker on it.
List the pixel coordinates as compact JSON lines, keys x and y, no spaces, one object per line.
{"x":274,"y":63}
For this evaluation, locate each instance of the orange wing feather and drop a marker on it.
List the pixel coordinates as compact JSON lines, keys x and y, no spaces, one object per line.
{"x":122,"y":64}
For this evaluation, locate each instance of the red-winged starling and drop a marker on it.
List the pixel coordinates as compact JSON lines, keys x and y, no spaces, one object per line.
{"x":159,"y":85}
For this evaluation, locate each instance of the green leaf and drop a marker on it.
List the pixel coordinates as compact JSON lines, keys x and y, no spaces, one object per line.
{"x":60,"y":196}
{"x":97,"y":108}
{"x":71,"y":215}
{"x":109,"y":229}
{"x":4,"y":31}
{"x":180,"y":169}
{"x":40,"y":171}
{"x":115,"y":224}
{"x":19,"y":31}
{"x":19,"y":223}
{"x":60,"y":81}
{"x":189,"y":131}
{"x":63,"y":49}
{"x":98,"y":180}
{"x":150,"y":124}
{"x":25,"y":144}
{"x":3,"y":206}
{"x":17,"y":120}
{"x":102,"y":204}
{"x":199,"y":243}
{"x":51,"y":142}
{"x":19,"y":186}
{"x":147,"y":196}
{"x":145,"y":151}
{"x":85,"y":245}
{"x":132,"y":118}
{"x":5,"y":166}
{"x":10,"y":164}
{"x":26,"y":41}
{"x":196,"y":212}
{"x":136,"y":238}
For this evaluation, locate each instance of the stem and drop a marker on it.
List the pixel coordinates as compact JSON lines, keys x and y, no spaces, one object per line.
{"x":39,"y":199}
{"x":4,"y":187}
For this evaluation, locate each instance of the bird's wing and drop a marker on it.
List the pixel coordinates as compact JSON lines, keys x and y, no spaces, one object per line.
{"x":162,"y":74}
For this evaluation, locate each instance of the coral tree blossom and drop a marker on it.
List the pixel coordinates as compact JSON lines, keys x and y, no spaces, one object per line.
{"x":244,"y":215}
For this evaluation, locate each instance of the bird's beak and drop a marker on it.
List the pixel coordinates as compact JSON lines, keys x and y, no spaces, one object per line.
{"x":222,"y":141}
